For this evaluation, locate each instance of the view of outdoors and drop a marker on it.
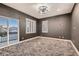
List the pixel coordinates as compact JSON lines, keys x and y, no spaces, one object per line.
{"x":3,"y":31}
{"x":11,"y":26}
{"x":13,"y":30}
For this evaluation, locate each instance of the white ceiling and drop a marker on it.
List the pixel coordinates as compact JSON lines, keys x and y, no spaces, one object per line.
{"x":32,"y":8}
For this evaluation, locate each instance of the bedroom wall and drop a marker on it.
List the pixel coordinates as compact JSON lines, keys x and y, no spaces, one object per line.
{"x":75,"y":26}
{"x":58,"y":26}
{"x":12,"y":13}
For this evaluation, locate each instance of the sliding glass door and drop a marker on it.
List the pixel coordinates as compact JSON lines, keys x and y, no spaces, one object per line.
{"x":3,"y":31}
{"x":13,"y":30}
{"x":9,"y":31}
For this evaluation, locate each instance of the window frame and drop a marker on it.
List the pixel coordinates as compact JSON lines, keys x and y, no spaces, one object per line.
{"x":45,"y":26}
{"x":8,"y":43}
{"x":32,"y":26}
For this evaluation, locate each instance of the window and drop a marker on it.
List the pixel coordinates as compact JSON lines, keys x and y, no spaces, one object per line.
{"x":45,"y":26}
{"x":30,"y":26}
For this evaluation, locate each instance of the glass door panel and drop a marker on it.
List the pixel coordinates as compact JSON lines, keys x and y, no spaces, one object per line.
{"x":3,"y":31}
{"x":13,"y":30}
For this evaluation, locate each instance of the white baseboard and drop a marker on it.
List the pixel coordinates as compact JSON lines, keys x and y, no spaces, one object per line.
{"x":19,"y":42}
{"x":46,"y":38}
{"x":66,"y":41}
{"x":55,"y":38}
{"x":74,"y":47}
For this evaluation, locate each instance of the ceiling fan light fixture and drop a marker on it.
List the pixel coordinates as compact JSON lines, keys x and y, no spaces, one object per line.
{"x":43,"y":9}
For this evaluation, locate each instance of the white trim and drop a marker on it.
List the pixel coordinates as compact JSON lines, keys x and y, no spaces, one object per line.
{"x":56,"y":38}
{"x":66,"y":41}
{"x":74,"y":47}
{"x":18,"y":32}
{"x":45,"y":26}
{"x":32,"y":26}
{"x":20,"y":42}
{"x":43,"y":37}
{"x":7,"y":32}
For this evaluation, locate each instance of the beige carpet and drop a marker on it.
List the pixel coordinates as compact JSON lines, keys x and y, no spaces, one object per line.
{"x":40,"y":47}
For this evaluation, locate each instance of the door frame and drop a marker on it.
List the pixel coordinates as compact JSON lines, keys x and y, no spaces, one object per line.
{"x":8,"y":30}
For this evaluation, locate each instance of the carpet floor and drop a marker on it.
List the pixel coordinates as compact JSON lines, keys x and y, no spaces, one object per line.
{"x":40,"y":47}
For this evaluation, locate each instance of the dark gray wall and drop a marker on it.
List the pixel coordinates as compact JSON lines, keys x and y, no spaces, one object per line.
{"x":58,"y":27}
{"x":75,"y":26}
{"x":12,"y":13}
